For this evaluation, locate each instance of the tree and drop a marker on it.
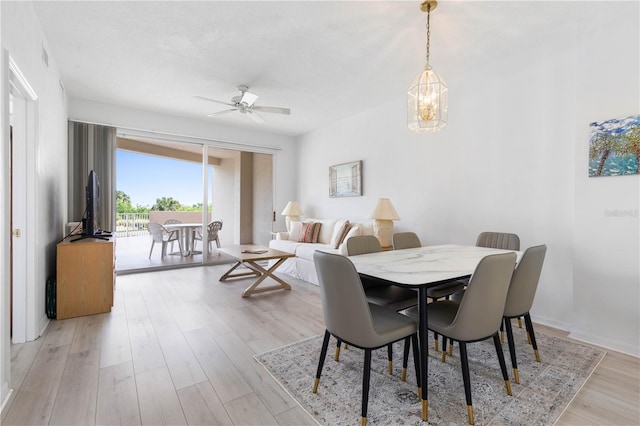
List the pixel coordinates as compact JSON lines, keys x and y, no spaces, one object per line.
{"x":166,"y":204}
{"x":123,"y":202}
{"x":630,"y":145}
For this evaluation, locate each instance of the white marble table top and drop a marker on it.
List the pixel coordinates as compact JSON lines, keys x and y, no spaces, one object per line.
{"x":424,"y":266}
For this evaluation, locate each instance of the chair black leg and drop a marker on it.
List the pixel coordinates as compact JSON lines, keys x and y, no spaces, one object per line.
{"x":503,"y":365}
{"x":464,"y":362}
{"x":512,"y":350}
{"x":502,"y":324}
{"x":323,"y":354}
{"x":337,"y":355}
{"x":416,"y":361}
{"x":444,"y":349}
{"x":390,"y":357}
{"x":405,"y":358}
{"x":529,"y":325}
{"x":365,"y":384}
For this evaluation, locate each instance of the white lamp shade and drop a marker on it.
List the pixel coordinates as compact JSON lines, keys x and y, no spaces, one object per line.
{"x":292,"y":209}
{"x":384,"y":211}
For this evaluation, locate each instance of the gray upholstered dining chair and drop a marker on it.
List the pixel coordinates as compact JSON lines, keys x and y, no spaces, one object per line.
{"x":376,"y":291}
{"x":522,"y":291}
{"x":379,"y":292}
{"x":499,"y":240}
{"x":350,"y":318}
{"x":406,"y":240}
{"x":478,"y":316}
{"x":160,"y":235}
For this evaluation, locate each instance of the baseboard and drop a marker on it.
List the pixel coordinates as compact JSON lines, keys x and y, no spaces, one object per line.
{"x":614,"y":345}
{"x":8,"y":392}
{"x":589,"y":338}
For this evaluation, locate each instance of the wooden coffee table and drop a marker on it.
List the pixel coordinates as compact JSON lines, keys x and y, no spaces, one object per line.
{"x":248,"y":255}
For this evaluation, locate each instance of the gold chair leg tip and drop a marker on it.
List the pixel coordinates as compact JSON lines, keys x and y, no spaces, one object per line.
{"x":470,"y":414}
{"x":537,"y":355}
{"x":435,"y":345}
{"x":508,"y":386}
{"x":516,"y":376}
{"x":363,"y":421}
{"x":425,"y":410}
{"x":390,"y":367}
{"x":315,"y":385}
{"x":404,"y":375}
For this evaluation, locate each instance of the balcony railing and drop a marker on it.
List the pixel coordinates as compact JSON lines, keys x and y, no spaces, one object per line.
{"x":131,"y":224}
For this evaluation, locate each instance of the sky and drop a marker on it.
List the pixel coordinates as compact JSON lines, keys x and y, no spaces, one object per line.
{"x":145,"y":178}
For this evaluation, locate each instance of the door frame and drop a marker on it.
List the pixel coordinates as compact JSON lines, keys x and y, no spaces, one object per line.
{"x":22,"y":261}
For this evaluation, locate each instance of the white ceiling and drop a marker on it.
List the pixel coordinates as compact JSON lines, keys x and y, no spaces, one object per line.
{"x":324,"y":60}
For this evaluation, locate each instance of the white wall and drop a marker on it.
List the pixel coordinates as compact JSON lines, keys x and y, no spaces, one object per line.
{"x":606,"y":290}
{"x":23,"y":39}
{"x":508,"y":161}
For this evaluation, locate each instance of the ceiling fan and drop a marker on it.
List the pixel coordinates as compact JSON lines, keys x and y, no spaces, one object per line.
{"x":245,"y":104}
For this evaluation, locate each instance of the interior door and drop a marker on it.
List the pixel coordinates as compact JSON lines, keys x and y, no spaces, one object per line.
{"x":18,"y":251}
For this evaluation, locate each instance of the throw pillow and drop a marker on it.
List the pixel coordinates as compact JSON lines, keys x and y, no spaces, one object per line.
{"x":353,"y":232}
{"x":295,"y":231}
{"x":339,"y":232}
{"x":344,"y":235}
{"x":310,"y":232}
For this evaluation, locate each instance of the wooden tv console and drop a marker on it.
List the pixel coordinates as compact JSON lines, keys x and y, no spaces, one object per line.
{"x":85,"y":277}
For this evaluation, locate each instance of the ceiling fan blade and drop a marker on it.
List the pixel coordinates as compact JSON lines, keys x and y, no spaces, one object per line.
{"x":256,"y":117}
{"x":249,"y":98}
{"x":215,"y":114}
{"x":213,"y":100}
{"x":274,"y":110}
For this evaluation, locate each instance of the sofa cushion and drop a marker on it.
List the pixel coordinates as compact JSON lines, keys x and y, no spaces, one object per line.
{"x":339,"y":231}
{"x":305,"y":251}
{"x":295,"y":231}
{"x":284,"y":245}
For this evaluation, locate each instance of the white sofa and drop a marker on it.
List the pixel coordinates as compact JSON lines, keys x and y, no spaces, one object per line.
{"x":302,"y":266}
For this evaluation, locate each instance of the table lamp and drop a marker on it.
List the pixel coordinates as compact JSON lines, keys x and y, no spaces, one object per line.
{"x":383,"y":214}
{"x":292,"y":212}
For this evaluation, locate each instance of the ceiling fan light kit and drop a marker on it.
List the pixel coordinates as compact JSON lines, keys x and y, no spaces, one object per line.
{"x":427,"y":98}
{"x":244,"y":103}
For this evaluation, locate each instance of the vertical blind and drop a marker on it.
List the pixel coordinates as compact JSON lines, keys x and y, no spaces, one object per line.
{"x":92,"y":147}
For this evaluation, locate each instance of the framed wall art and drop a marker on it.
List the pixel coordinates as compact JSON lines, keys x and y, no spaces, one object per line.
{"x":614,"y":147}
{"x":345,"y":180}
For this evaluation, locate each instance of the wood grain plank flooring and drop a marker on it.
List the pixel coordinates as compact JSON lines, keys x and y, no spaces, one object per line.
{"x":178,"y":348}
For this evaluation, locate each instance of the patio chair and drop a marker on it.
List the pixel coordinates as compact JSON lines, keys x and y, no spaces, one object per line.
{"x":172,"y":222}
{"x":160,"y":235}
{"x":212,"y":233}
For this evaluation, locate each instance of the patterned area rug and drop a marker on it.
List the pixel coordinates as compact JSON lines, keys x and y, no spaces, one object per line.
{"x":545,"y":388}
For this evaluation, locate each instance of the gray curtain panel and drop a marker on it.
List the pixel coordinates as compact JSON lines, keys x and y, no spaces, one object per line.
{"x":92,"y":147}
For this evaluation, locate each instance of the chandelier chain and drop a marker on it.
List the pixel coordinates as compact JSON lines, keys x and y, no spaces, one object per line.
{"x":428,"y":31}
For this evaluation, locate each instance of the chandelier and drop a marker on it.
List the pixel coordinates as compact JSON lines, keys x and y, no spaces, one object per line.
{"x":427,"y":97}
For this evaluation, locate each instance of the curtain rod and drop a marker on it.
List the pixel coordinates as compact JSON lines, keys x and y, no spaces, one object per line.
{"x":171,"y":137}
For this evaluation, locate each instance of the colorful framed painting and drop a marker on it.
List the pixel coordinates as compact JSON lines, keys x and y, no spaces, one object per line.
{"x":345,"y":180}
{"x":614,"y":147}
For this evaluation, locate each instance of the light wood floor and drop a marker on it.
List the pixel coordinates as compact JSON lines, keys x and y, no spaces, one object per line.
{"x":178,"y":348}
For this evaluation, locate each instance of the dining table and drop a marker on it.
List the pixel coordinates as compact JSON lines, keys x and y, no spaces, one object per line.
{"x":422,"y":268}
{"x":186,"y":235}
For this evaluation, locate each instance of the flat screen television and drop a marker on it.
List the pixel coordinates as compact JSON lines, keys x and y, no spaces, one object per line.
{"x":91,"y":220}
